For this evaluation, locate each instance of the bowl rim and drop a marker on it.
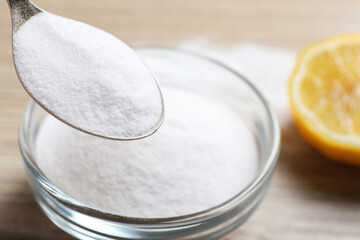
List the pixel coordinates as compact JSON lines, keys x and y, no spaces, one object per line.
{"x":204,"y":215}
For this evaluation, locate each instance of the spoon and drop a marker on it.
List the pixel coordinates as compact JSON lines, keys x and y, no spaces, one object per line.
{"x":21,"y":12}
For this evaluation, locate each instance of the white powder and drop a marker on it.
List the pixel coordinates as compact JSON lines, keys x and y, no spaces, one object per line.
{"x":268,"y":68}
{"x":184,"y":167}
{"x":203,"y":155}
{"x":87,"y":77}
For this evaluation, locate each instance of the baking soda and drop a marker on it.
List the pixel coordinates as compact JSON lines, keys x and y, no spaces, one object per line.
{"x":87,"y":77}
{"x":267,"y":67}
{"x":190,"y":164}
{"x":203,"y":155}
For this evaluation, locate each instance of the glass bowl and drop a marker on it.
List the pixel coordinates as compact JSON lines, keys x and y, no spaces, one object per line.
{"x":220,"y":82}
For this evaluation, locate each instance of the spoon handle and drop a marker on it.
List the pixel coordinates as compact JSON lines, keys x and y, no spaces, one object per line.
{"x":21,"y":11}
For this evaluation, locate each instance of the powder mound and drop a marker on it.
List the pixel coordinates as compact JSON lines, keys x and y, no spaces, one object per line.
{"x":87,"y":77}
{"x":203,"y":155}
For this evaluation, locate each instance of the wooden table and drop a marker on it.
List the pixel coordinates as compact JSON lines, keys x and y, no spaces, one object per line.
{"x":310,"y":197}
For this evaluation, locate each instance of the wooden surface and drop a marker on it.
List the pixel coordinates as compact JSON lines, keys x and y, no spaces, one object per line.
{"x":310,"y":197}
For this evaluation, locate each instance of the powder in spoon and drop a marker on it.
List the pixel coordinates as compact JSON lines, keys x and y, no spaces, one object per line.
{"x":203,"y":155}
{"x":87,"y":77}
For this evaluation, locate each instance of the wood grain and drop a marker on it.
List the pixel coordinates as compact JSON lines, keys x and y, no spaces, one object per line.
{"x":310,"y":197}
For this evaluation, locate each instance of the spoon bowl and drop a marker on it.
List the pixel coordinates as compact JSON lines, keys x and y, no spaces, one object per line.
{"x":130,"y":108}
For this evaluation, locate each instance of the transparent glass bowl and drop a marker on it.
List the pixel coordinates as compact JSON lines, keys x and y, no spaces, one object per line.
{"x":221,"y":83}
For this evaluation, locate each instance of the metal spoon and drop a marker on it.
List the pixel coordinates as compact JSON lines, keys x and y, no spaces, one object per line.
{"x":22,"y":11}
